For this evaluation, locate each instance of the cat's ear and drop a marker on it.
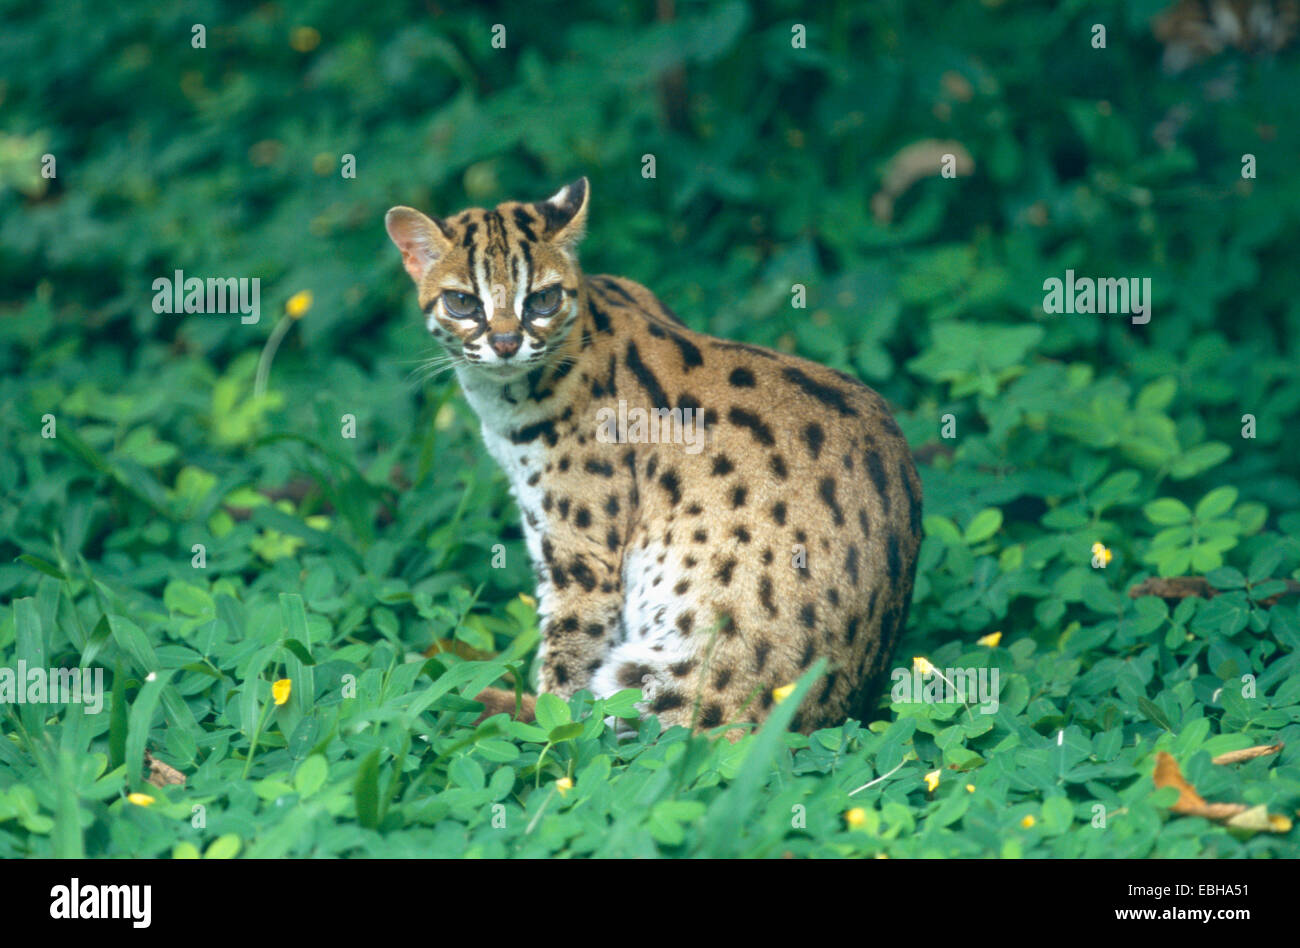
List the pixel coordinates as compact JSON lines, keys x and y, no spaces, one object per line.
{"x":420,"y":238}
{"x":565,"y":214}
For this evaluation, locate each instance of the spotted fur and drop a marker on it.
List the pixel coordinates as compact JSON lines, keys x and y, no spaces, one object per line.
{"x":705,"y":579}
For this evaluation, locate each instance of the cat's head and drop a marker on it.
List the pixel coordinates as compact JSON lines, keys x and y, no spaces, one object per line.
{"x":499,"y":288}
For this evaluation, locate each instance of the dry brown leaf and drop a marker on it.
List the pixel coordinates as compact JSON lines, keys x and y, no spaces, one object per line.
{"x":1191,"y":803}
{"x":1180,"y":587}
{"x":923,"y":159}
{"x":1247,"y":753}
{"x":1167,"y":774}
{"x":162,"y":775}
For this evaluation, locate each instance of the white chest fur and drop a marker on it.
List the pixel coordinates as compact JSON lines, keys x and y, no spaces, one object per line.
{"x":521,"y":463}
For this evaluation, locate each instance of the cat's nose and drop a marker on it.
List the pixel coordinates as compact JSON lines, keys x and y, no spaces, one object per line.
{"x":505,"y":344}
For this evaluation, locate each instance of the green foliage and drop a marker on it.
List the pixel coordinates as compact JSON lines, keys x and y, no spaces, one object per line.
{"x":198,"y":542}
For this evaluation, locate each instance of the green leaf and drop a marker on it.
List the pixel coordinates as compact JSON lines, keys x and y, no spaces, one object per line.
{"x":223,"y":847}
{"x":1153,"y":713}
{"x":117,"y":721}
{"x":551,"y":711}
{"x":138,"y":722}
{"x":565,"y":732}
{"x":1226,"y":578}
{"x":29,"y":648}
{"x":366,"y":790}
{"x":983,"y":525}
{"x":1216,"y":503}
{"x":622,"y":704}
{"x":43,"y":566}
{"x":1167,"y":512}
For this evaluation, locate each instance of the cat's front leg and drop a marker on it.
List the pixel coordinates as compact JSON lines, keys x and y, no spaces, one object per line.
{"x":583,"y":622}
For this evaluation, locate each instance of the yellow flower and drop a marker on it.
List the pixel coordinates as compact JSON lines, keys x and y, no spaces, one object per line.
{"x":140,"y":799}
{"x":931,"y":780}
{"x":298,"y":304}
{"x":1028,"y":821}
{"x":280,"y":691}
{"x":922,"y":665}
{"x":780,"y":694}
{"x":304,"y":38}
{"x":1100,"y":552}
{"x":970,"y":788}
{"x":564,"y":785}
{"x":856,"y":816}
{"x":991,"y":640}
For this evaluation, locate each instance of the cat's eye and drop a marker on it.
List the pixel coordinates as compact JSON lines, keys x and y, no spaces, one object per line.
{"x":461,"y":305}
{"x":545,"y":302}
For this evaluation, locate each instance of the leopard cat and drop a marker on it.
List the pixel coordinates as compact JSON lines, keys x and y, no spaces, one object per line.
{"x":704,"y":575}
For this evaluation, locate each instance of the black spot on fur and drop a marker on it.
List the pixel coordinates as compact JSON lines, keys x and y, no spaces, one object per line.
{"x":876,"y":468}
{"x":672,"y":483}
{"x":691,"y":356}
{"x":778,"y":513}
{"x":741,"y":377}
{"x":747,"y":419}
{"x":913,"y":502}
{"x":827,"y":688}
{"x":544,"y":429}
{"x":722,"y":466}
{"x":648,"y":380}
{"x":814,"y":437}
{"x":711,"y":715}
{"x":599,"y":317}
{"x":667,"y":701}
{"x":826,"y":490}
{"x":630,"y":675}
{"x":582,"y":573}
{"x":809,"y":651}
{"x":724,"y":571}
{"x":826,"y":394}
